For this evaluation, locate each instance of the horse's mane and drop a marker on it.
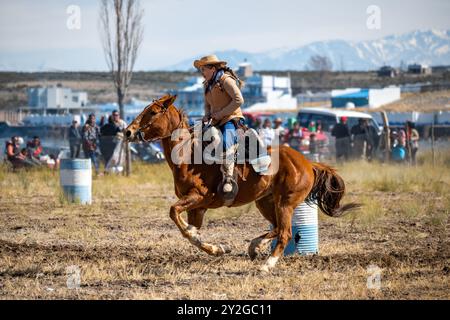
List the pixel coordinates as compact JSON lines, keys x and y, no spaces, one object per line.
{"x":183,"y":115}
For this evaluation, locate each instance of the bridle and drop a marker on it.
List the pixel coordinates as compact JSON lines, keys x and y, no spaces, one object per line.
{"x":140,"y":134}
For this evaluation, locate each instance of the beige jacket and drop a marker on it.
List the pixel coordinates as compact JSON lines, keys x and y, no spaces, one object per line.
{"x":224,"y":100}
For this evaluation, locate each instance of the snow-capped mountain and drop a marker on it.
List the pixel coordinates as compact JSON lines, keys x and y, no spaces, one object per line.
{"x":430,"y":47}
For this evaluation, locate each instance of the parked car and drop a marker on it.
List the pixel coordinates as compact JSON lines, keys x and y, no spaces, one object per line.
{"x":328,"y":118}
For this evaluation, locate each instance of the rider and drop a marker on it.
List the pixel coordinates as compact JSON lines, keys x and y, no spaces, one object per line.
{"x":223,"y":100}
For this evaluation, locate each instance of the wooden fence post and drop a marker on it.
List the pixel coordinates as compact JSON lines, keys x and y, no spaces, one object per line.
{"x":127,"y":158}
{"x":432,"y":140}
{"x":387,"y":140}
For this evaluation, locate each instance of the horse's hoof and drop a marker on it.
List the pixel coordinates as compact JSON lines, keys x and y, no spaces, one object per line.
{"x":225,"y":248}
{"x":252,"y":253}
{"x":264,"y":269}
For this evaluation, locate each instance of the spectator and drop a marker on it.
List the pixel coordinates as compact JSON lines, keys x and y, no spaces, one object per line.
{"x":319,"y":127}
{"x":90,"y":136}
{"x":107,"y":141}
{"x":16,"y":156}
{"x":359,"y":133}
{"x":257,"y":123}
{"x":398,"y":153}
{"x":314,"y":148}
{"x":402,"y":137}
{"x":34,"y":150}
{"x":295,"y":136}
{"x":372,"y":140}
{"x":412,"y":140}
{"x":278,"y":129}
{"x":267,"y":133}
{"x":312,"y":127}
{"x":119,"y":123}
{"x":102,"y":121}
{"x":393,"y":138}
{"x":343,"y":139}
{"x":75,"y":139}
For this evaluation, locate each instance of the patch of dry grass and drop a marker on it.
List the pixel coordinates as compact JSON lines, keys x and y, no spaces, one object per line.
{"x":126,"y":246}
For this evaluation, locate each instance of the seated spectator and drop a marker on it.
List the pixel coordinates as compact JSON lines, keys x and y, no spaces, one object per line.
{"x":34,"y":150}
{"x":16,"y":156}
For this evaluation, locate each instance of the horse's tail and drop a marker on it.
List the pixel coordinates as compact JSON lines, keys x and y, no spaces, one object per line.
{"x":328,"y":190}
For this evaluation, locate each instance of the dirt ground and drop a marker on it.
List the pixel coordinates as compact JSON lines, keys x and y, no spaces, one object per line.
{"x":125,"y":246}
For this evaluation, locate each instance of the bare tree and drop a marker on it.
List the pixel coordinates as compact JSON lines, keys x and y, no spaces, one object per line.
{"x":320,"y":63}
{"x":121,"y":31}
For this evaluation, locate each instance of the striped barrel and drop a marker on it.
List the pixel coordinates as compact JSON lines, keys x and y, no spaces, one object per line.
{"x":305,"y":231}
{"x":305,"y":220}
{"x":76,"y":180}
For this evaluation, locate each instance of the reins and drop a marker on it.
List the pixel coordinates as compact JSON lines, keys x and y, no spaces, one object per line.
{"x":179,"y":126}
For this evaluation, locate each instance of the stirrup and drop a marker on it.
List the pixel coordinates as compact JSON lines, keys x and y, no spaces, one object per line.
{"x":228,"y":185}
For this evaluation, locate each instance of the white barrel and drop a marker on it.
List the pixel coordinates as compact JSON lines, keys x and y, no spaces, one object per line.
{"x":76,"y":180}
{"x":305,"y":231}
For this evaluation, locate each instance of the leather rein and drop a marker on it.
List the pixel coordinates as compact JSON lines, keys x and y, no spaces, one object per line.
{"x":179,"y":126}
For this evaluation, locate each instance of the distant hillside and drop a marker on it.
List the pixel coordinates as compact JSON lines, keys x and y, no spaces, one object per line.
{"x":147,"y":85}
{"x":430,"y":47}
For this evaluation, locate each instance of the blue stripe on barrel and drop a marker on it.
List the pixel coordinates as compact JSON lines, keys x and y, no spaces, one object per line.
{"x":81,"y":194}
{"x":75,"y":164}
{"x":76,"y":180}
{"x":305,"y":231}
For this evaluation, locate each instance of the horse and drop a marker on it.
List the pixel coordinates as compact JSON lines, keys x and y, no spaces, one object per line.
{"x":276,"y":195}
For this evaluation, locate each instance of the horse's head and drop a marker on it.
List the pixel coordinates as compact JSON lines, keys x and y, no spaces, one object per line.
{"x":153,"y":122}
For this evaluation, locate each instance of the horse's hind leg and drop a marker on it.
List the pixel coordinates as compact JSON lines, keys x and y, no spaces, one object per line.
{"x":267,"y":208}
{"x":260,"y":241}
{"x":284,"y":228}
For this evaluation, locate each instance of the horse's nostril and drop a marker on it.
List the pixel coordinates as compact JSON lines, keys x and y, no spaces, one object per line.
{"x":128,"y":133}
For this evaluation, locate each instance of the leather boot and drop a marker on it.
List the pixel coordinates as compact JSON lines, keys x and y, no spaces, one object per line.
{"x":228,"y":169}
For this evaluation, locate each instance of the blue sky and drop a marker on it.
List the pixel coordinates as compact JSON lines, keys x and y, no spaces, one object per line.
{"x":33,"y":34}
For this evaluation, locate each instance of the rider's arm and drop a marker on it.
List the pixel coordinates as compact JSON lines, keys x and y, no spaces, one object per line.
{"x":237,"y":100}
{"x":207,"y":110}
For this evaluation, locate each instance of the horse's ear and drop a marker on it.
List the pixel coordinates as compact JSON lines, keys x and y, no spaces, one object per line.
{"x":169,"y":101}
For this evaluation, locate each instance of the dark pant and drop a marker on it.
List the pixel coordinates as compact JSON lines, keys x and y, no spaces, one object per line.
{"x":342,"y":148}
{"x":413,"y":155}
{"x":93,"y":156}
{"x":75,"y":150}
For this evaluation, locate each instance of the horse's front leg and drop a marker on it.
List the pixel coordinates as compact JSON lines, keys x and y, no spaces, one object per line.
{"x":191,"y":203}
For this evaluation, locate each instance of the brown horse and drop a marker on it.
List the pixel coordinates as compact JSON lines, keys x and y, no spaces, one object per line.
{"x":276,"y":195}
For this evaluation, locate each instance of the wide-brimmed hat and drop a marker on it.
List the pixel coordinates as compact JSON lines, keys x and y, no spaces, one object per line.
{"x":206,"y":60}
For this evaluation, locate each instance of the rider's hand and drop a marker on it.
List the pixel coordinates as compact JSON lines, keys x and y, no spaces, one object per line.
{"x":216,"y":118}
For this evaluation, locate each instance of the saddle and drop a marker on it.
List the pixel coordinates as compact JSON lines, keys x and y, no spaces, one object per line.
{"x":250,"y":148}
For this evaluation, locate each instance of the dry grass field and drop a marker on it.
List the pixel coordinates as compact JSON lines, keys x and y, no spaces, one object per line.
{"x":423,"y":102}
{"x":126,"y":247}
